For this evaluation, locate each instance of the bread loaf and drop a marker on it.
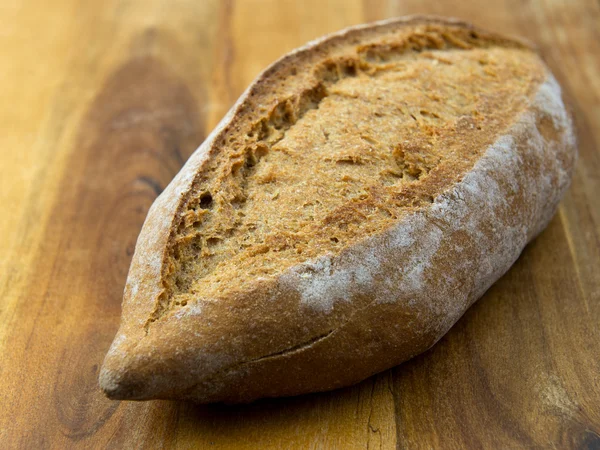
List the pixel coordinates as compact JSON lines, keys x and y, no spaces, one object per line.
{"x":361,"y":194}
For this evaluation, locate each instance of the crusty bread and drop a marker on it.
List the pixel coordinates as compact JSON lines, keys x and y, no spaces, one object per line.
{"x":362,"y":193}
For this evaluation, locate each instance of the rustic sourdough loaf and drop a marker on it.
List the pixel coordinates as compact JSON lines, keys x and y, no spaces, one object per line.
{"x":362,"y":193}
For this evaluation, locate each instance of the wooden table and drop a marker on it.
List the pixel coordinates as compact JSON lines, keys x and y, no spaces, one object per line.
{"x":100,"y":105}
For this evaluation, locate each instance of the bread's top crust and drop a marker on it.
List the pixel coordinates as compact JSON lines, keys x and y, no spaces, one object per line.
{"x":321,"y":286}
{"x":338,"y":145}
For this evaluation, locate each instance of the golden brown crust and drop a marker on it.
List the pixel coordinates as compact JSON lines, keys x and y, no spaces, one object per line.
{"x":329,"y":154}
{"x":340,"y":317}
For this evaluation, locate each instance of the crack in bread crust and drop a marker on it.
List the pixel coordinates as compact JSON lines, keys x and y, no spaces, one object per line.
{"x":222,"y":232}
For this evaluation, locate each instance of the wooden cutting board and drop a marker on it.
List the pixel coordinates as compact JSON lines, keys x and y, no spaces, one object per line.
{"x":100,"y":105}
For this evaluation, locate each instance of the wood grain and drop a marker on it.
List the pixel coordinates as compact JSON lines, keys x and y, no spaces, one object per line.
{"x":100,"y":105}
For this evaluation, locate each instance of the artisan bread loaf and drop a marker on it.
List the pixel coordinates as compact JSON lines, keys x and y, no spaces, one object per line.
{"x":362,"y":193}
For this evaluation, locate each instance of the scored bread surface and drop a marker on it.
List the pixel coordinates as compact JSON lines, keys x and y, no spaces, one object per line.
{"x":358,"y":198}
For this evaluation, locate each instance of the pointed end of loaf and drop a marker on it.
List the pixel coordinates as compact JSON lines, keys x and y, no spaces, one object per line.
{"x":121,"y":376}
{"x":111,"y":383}
{"x":120,"y":382}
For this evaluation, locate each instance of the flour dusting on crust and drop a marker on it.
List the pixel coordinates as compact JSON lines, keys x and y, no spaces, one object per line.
{"x":403,"y":264}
